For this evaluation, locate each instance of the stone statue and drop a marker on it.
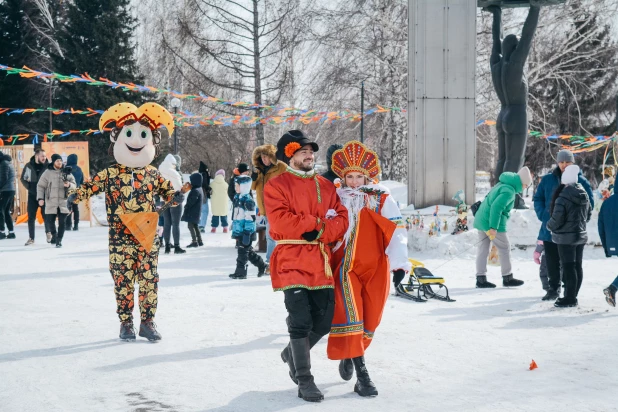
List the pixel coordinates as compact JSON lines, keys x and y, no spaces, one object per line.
{"x":508,"y":57}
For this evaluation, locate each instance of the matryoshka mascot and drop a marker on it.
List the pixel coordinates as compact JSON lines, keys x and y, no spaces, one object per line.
{"x":129,"y":187}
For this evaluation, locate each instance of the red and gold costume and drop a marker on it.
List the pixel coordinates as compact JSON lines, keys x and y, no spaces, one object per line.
{"x":375,"y":244}
{"x":298,"y":202}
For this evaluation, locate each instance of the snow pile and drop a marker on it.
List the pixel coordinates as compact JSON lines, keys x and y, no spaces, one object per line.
{"x":399,"y":192}
{"x":523,"y":229}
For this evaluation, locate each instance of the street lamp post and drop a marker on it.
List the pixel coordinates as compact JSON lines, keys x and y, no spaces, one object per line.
{"x":175,"y":104}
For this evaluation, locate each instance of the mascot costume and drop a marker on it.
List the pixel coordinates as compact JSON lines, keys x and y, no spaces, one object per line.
{"x":130,"y":186}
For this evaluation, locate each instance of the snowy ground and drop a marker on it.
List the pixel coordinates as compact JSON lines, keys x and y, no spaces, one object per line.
{"x":221,"y":339}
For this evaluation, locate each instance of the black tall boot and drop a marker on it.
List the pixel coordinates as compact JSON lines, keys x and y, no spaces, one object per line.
{"x":241,"y":263}
{"x":286,"y":355}
{"x":569,"y":277}
{"x":302,"y":360}
{"x":346,"y":369}
{"x":258,"y":262}
{"x":364,"y":386}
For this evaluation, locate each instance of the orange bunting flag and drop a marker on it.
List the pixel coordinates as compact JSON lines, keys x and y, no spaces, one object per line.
{"x":533,"y":365}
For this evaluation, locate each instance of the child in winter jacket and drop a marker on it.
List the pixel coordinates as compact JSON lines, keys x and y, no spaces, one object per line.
{"x":193,"y":209}
{"x":219,"y":201}
{"x":608,"y":230}
{"x":243,"y":229}
{"x":570,"y":211}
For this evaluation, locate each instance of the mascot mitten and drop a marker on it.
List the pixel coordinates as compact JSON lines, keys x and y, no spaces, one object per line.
{"x":130,"y":186}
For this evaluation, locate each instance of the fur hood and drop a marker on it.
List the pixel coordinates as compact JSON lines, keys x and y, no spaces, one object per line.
{"x":268,"y":150}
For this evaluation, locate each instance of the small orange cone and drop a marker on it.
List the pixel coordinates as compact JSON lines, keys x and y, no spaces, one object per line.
{"x":533,"y":365}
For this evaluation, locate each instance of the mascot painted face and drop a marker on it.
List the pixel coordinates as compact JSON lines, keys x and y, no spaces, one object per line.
{"x":135,"y":139}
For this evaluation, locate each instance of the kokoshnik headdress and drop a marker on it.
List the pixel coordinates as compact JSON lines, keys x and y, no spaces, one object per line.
{"x":355,"y":157}
{"x":155,"y":114}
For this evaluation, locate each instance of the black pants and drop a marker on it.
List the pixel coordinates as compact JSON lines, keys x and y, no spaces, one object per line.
{"x":33,"y":207}
{"x":309,"y":311}
{"x":51,"y":223}
{"x":571,"y":257}
{"x":75,"y":210}
{"x":246,"y":254}
{"x":196,"y":236}
{"x":6,"y":201}
{"x":552,"y":261}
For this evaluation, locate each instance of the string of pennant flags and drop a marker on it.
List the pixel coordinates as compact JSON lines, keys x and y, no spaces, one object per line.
{"x":303,"y":114}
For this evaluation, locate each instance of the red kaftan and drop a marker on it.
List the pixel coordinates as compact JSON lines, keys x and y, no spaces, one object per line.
{"x":296,"y":203}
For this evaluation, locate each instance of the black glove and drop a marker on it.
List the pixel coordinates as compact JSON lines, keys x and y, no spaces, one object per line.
{"x":254,"y":176}
{"x":178,"y":198}
{"x":71,"y":198}
{"x":398,"y":276}
{"x":310,"y":236}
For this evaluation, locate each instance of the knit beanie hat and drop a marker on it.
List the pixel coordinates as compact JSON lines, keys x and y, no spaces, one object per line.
{"x":525,"y":176}
{"x":220,"y":172}
{"x":565,"y":156}
{"x":570,"y":175}
{"x":242,"y":168}
{"x":55,"y":157}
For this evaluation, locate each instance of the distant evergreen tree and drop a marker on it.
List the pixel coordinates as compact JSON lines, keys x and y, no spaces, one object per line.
{"x":95,"y":39}
{"x":20,"y":45}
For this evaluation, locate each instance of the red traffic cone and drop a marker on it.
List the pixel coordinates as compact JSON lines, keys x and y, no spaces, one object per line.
{"x":533,"y":365}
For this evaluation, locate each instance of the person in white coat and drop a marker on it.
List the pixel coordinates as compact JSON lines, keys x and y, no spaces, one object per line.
{"x":219,"y":202}
{"x":171,"y":217}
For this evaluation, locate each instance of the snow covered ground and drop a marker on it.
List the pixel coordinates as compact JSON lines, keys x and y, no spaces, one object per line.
{"x":221,"y":339}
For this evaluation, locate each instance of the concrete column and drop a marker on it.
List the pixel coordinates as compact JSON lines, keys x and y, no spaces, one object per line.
{"x":441,"y":100}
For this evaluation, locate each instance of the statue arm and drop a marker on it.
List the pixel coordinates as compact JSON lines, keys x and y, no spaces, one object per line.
{"x":527,"y":35}
{"x":496,"y":32}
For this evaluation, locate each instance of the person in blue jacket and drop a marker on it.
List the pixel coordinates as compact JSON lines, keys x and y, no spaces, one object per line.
{"x":78,"y":174}
{"x":542,"y":202}
{"x":608,"y":231}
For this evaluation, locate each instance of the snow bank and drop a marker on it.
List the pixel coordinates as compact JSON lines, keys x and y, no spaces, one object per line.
{"x":523,"y":229}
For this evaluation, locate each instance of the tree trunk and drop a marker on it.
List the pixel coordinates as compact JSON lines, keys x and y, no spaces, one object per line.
{"x":258,"y":73}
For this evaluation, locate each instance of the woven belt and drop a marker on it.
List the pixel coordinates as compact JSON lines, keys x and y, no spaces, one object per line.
{"x":327,"y":270}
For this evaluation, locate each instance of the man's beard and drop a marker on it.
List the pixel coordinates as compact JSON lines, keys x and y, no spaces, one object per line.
{"x":301,"y":166}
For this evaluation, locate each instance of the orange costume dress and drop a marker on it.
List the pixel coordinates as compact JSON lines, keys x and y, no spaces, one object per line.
{"x":375,"y":243}
{"x":298,"y":202}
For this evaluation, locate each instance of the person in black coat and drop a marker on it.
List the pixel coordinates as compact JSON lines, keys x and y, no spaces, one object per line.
{"x":207,"y":191}
{"x":7,"y":195}
{"x":608,"y":231}
{"x":33,"y":170}
{"x":330,"y":175}
{"x":570,"y":211}
{"x":78,"y":174}
{"x":193,"y":209}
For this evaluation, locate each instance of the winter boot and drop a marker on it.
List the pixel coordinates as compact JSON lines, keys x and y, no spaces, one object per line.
{"x":257,"y":261}
{"x":29,"y":242}
{"x":286,"y":355}
{"x":49,"y":236}
{"x":127,"y":332}
{"x":481,"y":282}
{"x":225,"y":230}
{"x":76,"y":227}
{"x":610,"y":295}
{"x":53,"y":239}
{"x":302,"y":361}
{"x":240,"y":273}
{"x":59,"y":242}
{"x":178,"y":250}
{"x":346,"y":369}
{"x":551,"y":295}
{"x":168,"y":248}
{"x":566,"y":302}
{"x":509,"y":281}
{"x":192,"y":244}
{"x":364,"y":386}
{"x":11,"y":235}
{"x":2,"y":235}
{"x":213,"y":230}
{"x":148,"y":330}
{"x":200,"y":243}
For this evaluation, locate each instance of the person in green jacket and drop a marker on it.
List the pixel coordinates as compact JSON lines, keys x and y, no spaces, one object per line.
{"x":491,"y":219}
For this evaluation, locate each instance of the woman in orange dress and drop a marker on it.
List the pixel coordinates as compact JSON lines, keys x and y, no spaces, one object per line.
{"x":374,"y":245}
